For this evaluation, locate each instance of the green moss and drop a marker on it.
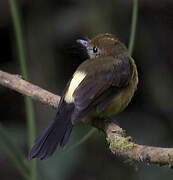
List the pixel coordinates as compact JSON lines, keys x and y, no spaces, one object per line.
{"x":119,"y":144}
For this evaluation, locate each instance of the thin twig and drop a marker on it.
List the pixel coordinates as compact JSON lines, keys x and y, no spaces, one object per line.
{"x":133,"y":26}
{"x":14,"y":152}
{"x":17,"y":22}
{"x":81,"y":141}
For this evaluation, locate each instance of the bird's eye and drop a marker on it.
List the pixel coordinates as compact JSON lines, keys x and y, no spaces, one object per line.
{"x":95,"y":49}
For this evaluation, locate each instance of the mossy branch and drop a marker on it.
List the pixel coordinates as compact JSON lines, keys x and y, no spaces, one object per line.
{"x":115,"y":136}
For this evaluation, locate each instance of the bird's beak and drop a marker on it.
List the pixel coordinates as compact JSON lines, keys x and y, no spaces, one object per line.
{"x":84,"y":43}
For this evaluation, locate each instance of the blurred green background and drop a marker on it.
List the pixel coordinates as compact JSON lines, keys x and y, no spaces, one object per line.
{"x":51,"y":28}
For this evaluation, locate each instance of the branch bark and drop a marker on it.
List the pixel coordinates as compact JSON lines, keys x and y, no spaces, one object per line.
{"x":118,"y":143}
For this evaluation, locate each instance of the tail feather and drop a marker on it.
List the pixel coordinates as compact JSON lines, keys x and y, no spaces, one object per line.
{"x":56,"y":135}
{"x":66,"y":135}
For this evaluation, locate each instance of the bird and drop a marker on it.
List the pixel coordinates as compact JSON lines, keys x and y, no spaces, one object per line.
{"x":102,"y":86}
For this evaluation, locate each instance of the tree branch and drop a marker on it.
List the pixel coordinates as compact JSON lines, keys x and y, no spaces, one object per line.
{"x":115,"y":136}
{"x":16,"y":83}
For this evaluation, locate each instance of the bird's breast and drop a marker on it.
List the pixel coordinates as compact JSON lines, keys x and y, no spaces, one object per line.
{"x":119,"y":102}
{"x":123,"y":98}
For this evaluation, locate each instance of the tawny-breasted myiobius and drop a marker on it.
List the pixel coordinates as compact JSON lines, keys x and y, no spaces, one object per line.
{"x":102,"y":86}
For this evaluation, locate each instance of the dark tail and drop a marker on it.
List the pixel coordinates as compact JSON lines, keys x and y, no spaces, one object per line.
{"x":57,"y":134}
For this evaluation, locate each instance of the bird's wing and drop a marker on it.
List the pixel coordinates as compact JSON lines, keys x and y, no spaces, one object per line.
{"x":102,"y":79}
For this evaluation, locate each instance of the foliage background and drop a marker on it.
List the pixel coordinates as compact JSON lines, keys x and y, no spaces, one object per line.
{"x":51,"y":28}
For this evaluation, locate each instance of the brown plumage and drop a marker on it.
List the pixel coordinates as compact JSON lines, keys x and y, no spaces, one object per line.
{"x":102,"y":86}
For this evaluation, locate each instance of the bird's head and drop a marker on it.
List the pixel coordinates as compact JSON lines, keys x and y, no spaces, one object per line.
{"x":103,"y":45}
